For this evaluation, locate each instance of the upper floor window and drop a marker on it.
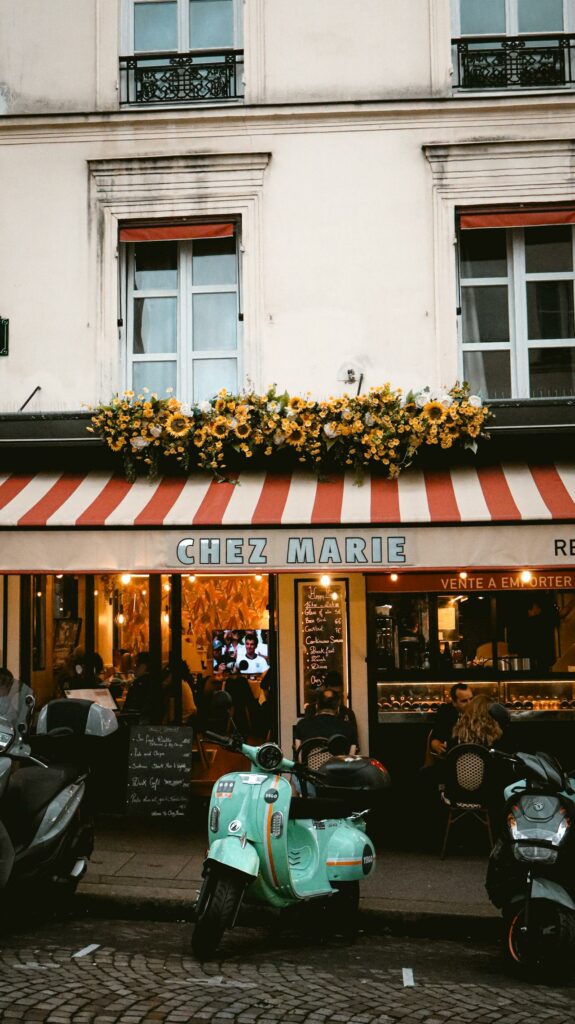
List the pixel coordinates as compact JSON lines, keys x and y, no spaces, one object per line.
{"x":513,"y":44}
{"x":182,"y":293}
{"x":182,"y":51}
{"x":517,"y":304}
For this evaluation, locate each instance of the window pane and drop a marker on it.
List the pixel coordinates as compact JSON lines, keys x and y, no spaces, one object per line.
{"x":540,"y":15}
{"x":155,"y":26}
{"x":548,"y":250}
{"x":214,"y":261}
{"x":210,"y":375}
{"x":215,"y":320}
{"x":157,"y":377}
{"x":550,"y":309}
{"x":551,"y":372}
{"x":155,"y":325}
{"x":488,"y":373}
{"x":485,"y":316}
{"x":211,"y":23}
{"x":156,"y":265}
{"x":478,"y":16}
{"x":484,"y":253}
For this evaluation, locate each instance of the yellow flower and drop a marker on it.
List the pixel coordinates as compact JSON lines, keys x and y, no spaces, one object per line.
{"x":178,"y":425}
{"x":220,"y":404}
{"x":117,"y":444}
{"x":199,"y":438}
{"x":296,"y":404}
{"x":243,"y":429}
{"x":434,"y":411}
{"x":296,"y":436}
{"x":220,"y":426}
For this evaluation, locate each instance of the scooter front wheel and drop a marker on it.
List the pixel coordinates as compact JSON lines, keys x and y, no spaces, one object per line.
{"x":219,"y":900}
{"x":547,"y":946}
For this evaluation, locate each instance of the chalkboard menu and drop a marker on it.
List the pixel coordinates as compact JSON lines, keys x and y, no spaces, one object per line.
{"x":159,"y":771}
{"x":321,"y":614}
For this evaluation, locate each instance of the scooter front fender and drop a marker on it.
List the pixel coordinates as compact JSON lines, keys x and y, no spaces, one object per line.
{"x":545,"y":889}
{"x":230,"y":852}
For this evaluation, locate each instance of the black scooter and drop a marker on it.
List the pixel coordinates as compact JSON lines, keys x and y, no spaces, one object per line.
{"x":531,"y":871}
{"x":46,"y":829}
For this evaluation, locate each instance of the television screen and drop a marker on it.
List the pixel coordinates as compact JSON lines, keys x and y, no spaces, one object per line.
{"x":240,"y":650}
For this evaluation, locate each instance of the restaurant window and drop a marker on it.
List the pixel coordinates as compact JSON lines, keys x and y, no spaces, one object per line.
{"x":512,"y":44}
{"x":183,"y":318}
{"x":516,"y":643}
{"x":182,"y":51}
{"x":517,"y":326}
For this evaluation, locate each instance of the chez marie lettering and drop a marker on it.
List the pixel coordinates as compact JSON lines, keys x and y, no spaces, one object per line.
{"x":299,"y":551}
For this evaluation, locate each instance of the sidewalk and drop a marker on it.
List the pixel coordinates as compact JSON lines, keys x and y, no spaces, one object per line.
{"x":153,"y":869}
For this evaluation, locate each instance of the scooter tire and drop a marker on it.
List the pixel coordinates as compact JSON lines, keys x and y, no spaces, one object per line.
{"x":547,"y":951}
{"x":219,"y":902}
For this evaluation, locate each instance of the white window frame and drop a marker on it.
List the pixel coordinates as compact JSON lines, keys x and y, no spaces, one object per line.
{"x":183,"y":27}
{"x":519,"y":343}
{"x":185,"y":356}
{"x":512,"y":20}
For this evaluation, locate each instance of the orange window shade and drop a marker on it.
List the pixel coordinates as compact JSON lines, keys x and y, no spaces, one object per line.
{"x":515,"y":218}
{"x":175,"y":232}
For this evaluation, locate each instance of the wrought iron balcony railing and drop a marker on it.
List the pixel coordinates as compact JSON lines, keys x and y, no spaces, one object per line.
{"x":199,"y":76}
{"x":515,"y":62}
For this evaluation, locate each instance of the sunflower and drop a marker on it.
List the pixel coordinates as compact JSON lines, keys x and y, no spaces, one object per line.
{"x":220,"y":427}
{"x":199,"y":437}
{"x":296,"y":404}
{"x":178,"y":425}
{"x":434,"y":411}
{"x":296,"y":436}
{"x":243,"y":429}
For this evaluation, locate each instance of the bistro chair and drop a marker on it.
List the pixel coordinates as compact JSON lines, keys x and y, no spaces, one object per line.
{"x":314,"y":752}
{"x":465,"y":788}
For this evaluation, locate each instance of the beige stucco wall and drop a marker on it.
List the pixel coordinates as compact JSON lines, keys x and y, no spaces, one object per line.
{"x":352,"y":260}
{"x":63,"y":56}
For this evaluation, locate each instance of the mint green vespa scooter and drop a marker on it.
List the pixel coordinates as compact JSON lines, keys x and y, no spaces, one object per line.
{"x":276,"y":847}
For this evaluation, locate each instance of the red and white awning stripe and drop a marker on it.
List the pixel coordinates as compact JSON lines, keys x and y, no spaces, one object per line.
{"x":499,"y":493}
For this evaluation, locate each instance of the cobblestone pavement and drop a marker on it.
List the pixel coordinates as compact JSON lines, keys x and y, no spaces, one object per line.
{"x":142,"y":973}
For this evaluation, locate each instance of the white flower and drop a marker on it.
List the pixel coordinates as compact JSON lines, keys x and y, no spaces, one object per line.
{"x":155,"y":430}
{"x":446,"y":401}
{"x":436,"y":394}
{"x":185,"y":409}
{"x":139,"y":442}
{"x":475,"y":401}
{"x":279,"y":438}
{"x":330,"y":430}
{"x":204,"y":407}
{"x":369,"y":420}
{"x":422,"y":398}
{"x":272,"y":406}
{"x":169,"y":391}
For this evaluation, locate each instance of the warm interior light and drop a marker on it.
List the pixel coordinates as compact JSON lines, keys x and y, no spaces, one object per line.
{"x":38,"y":593}
{"x":144,"y":592}
{"x":59,"y":575}
{"x":526,"y":576}
{"x":258,"y":578}
{"x":394,"y":577}
{"x":167,"y":587}
{"x":166,"y":618}
{"x":96,"y":592}
{"x":463,"y":575}
{"x":126,"y":577}
{"x":325,"y":581}
{"x":120,"y":618}
{"x":334,"y":595}
{"x":192,"y":579}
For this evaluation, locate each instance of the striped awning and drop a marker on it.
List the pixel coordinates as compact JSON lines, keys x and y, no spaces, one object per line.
{"x":499,"y":493}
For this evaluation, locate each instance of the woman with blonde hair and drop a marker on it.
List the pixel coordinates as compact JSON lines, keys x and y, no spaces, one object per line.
{"x":476,"y":724}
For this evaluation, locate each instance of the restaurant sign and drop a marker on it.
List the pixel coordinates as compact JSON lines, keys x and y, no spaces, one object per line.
{"x":289,"y":549}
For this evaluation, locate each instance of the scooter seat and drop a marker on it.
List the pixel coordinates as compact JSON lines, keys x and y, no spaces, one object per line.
{"x":317,"y":808}
{"x":29,"y":792}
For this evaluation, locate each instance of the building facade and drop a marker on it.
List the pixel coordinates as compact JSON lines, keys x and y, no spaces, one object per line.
{"x":200,"y":194}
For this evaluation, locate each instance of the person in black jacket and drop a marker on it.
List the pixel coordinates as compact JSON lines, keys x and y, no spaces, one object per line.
{"x":325,"y":723}
{"x":447,"y":715}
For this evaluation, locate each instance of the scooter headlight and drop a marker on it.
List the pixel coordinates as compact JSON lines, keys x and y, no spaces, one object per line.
{"x":269,"y":757}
